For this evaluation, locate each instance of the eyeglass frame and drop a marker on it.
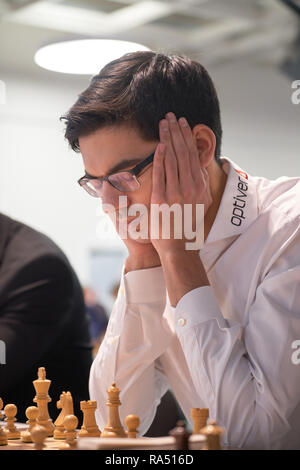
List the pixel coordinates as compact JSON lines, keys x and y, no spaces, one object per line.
{"x":134,"y":171}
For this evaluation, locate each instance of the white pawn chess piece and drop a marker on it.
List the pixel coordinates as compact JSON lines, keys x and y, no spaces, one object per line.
{"x":70,"y":424}
{"x":31,"y":414}
{"x":132,"y":422}
{"x":3,"y":437}
{"x":38,"y":435}
{"x":10,"y":429}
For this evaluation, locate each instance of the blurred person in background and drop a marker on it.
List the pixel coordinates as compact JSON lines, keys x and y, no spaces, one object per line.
{"x":97,"y":317}
{"x":43,"y":322}
{"x":115,"y":290}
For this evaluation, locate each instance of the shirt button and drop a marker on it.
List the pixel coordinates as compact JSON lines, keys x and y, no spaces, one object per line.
{"x":181,"y":321}
{"x":121,"y":290}
{"x":112,"y":340}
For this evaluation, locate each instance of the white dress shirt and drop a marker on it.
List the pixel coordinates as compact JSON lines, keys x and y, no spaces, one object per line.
{"x":228,"y":346}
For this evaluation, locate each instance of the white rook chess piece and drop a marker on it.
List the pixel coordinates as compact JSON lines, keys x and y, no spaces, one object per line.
{"x":89,"y":426}
{"x":41,"y":385}
{"x":199,"y":417}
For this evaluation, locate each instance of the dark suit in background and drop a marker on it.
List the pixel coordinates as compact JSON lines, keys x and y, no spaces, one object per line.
{"x":42,"y":320}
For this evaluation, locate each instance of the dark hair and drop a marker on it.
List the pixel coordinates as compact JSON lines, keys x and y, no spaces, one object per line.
{"x":139,"y":88}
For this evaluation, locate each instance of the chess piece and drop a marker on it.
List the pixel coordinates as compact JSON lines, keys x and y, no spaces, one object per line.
{"x":32,"y":414}
{"x":199,"y":417}
{"x":41,"y":385}
{"x":65,"y":403}
{"x":213,"y":434}
{"x":181,"y":436}
{"x":70,"y":425}
{"x":1,"y":412}
{"x":10,"y":429}
{"x":114,"y":427}
{"x":89,"y":426}
{"x":132,"y":422}
{"x":38,"y":435}
{"x":3,"y":437}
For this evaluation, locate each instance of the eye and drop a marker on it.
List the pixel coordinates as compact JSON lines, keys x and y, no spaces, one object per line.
{"x":124,"y":181}
{"x":126,"y":176}
{"x":95,"y":184}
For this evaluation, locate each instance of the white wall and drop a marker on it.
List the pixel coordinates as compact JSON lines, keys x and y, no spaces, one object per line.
{"x":261,"y":125}
{"x":38,"y":172}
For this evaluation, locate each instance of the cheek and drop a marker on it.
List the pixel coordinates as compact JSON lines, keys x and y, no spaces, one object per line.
{"x":143,"y":194}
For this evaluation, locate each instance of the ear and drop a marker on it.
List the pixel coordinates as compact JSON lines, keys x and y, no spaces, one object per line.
{"x":205,"y":140}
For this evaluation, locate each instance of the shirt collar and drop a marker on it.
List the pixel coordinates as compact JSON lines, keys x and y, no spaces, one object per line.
{"x":238,"y":207}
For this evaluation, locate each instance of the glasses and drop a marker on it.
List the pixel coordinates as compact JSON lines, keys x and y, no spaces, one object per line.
{"x":123,"y":180}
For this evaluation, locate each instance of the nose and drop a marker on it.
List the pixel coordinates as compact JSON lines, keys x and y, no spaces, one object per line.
{"x":110,"y":198}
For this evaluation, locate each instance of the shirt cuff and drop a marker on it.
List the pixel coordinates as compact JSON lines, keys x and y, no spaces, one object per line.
{"x":144,"y":285}
{"x":197,"y":306}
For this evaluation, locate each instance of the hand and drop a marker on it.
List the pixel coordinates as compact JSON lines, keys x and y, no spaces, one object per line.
{"x":141,"y":255}
{"x":178,"y":177}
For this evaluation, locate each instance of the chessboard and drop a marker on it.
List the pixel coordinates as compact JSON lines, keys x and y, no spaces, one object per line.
{"x":17,"y":444}
{"x":40,"y":433}
{"x":196,"y":442}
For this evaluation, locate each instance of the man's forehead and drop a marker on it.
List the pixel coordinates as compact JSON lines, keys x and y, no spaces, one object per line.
{"x":113,"y":149}
{"x":100,"y":161}
{"x":112,"y":136}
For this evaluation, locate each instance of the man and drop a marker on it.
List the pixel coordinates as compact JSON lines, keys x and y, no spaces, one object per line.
{"x":42,"y":320}
{"x":217,"y":323}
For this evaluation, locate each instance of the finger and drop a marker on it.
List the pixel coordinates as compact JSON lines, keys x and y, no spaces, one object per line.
{"x":170,"y":160}
{"x":158,"y":174}
{"x":193,"y":151}
{"x":181,"y":150}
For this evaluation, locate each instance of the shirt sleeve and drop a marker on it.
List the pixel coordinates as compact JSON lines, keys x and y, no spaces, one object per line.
{"x":245,"y":373}
{"x":137,"y":335}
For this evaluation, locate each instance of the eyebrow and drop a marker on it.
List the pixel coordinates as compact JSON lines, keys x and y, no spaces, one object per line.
{"x":119,"y":166}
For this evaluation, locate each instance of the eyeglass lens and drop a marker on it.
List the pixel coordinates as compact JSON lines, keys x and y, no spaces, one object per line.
{"x":123,"y":181}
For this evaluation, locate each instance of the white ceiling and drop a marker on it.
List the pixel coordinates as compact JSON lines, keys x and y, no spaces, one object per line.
{"x":212,"y":31}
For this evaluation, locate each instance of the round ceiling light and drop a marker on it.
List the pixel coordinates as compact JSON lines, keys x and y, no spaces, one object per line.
{"x":83,"y":56}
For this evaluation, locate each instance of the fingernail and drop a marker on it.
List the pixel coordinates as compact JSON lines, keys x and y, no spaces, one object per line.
{"x":183,"y":122}
{"x":171,"y":117}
